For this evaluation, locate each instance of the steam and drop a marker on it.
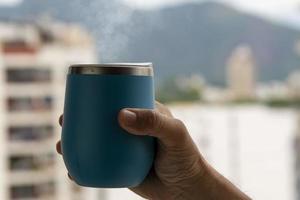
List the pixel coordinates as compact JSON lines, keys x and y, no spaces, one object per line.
{"x":111,"y":24}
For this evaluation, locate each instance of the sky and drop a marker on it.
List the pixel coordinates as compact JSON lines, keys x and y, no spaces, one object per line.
{"x":9,"y":2}
{"x":280,"y":10}
{"x":264,"y":7}
{"x":269,"y":6}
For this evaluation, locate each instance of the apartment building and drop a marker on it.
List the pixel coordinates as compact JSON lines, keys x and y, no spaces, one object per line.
{"x":241,"y":75}
{"x":34,"y":57}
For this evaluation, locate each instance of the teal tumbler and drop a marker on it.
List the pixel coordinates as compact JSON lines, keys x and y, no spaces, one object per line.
{"x":96,"y":150}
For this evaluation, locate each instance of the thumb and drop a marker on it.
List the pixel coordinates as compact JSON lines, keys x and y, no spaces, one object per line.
{"x":170,"y":131}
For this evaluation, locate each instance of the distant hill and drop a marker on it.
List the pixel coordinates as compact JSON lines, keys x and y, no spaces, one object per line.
{"x":198,"y":38}
{"x":182,"y":39}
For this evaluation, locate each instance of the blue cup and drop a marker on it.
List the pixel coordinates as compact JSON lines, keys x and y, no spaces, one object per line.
{"x":96,"y":150}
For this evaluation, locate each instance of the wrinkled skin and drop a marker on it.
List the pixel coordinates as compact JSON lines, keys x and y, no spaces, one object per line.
{"x":179,"y":171}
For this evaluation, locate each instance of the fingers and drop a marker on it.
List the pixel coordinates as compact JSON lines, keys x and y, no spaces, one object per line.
{"x":58,"y":147}
{"x":170,"y":131}
{"x":58,"y":144}
{"x":61,"y":119}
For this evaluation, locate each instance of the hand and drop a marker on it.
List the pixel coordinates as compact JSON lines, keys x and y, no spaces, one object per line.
{"x":179,"y":170}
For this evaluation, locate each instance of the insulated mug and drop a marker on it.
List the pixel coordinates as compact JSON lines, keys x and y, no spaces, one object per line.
{"x":96,"y":150}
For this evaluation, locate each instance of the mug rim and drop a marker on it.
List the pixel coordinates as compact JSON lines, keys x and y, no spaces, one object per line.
{"x":137,"y":69}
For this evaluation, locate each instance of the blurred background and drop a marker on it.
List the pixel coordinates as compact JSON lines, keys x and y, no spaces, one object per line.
{"x":230,"y":69}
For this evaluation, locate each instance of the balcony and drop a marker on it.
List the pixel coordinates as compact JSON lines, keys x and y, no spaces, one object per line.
{"x":31,"y":169}
{"x":31,"y":147}
{"x":30,"y":139}
{"x":33,"y":118}
{"x":30,"y":133}
{"x":34,"y":104}
{"x":33,"y":191}
{"x":29,"y":89}
{"x":20,"y":162}
{"x":28,"y":75}
{"x":32,"y":176}
{"x":18,"y":47}
{"x":47,"y":197}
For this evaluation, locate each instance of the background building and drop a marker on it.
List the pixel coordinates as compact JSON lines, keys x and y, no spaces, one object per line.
{"x":252,"y":144}
{"x":297,"y":157}
{"x":230,"y":138}
{"x":241,"y":74}
{"x":294,"y":85}
{"x":33,"y":63}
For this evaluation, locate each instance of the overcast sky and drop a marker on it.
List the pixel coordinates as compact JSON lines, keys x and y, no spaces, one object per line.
{"x":267,"y":6}
{"x":288,"y":10}
{"x":256,"y":5}
{"x":9,"y":2}
{"x":259,"y":5}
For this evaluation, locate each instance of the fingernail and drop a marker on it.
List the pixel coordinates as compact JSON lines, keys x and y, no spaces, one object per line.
{"x":129,"y":117}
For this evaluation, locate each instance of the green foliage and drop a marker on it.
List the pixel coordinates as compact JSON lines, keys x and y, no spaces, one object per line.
{"x":172,"y":91}
{"x":244,"y":101}
{"x":283,"y":103}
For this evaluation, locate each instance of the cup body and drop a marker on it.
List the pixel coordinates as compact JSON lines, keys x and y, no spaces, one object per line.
{"x":96,"y":150}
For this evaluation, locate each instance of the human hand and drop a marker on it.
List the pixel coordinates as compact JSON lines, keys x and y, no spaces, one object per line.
{"x":179,"y":170}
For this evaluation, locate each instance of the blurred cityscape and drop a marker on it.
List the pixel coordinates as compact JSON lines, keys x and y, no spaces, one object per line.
{"x":247,"y":129}
{"x":33,"y":63}
{"x":242,"y":85}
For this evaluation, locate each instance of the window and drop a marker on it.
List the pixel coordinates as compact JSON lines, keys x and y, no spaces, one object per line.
{"x":30,"y":133}
{"x":17,"y":163}
{"x":32,"y":191}
{"x":28,"y":75}
{"x":26,"y":191}
{"x":29,"y":104}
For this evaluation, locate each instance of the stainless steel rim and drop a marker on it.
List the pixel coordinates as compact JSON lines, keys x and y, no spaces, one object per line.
{"x":136,"y":69}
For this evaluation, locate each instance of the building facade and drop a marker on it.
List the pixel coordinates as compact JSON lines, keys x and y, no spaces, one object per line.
{"x":251,"y":145}
{"x":33,"y":64}
{"x":294,"y":85}
{"x":297,"y":157}
{"x":241,"y":76}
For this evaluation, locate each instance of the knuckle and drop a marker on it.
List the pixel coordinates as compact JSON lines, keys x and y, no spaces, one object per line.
{"x":154,"y":122}
{"x":179,"y":123}
{"x":158,"y":123}
{"x":152,"y":118}
{"x":148,"y":119}
{"x":180,"y":126}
